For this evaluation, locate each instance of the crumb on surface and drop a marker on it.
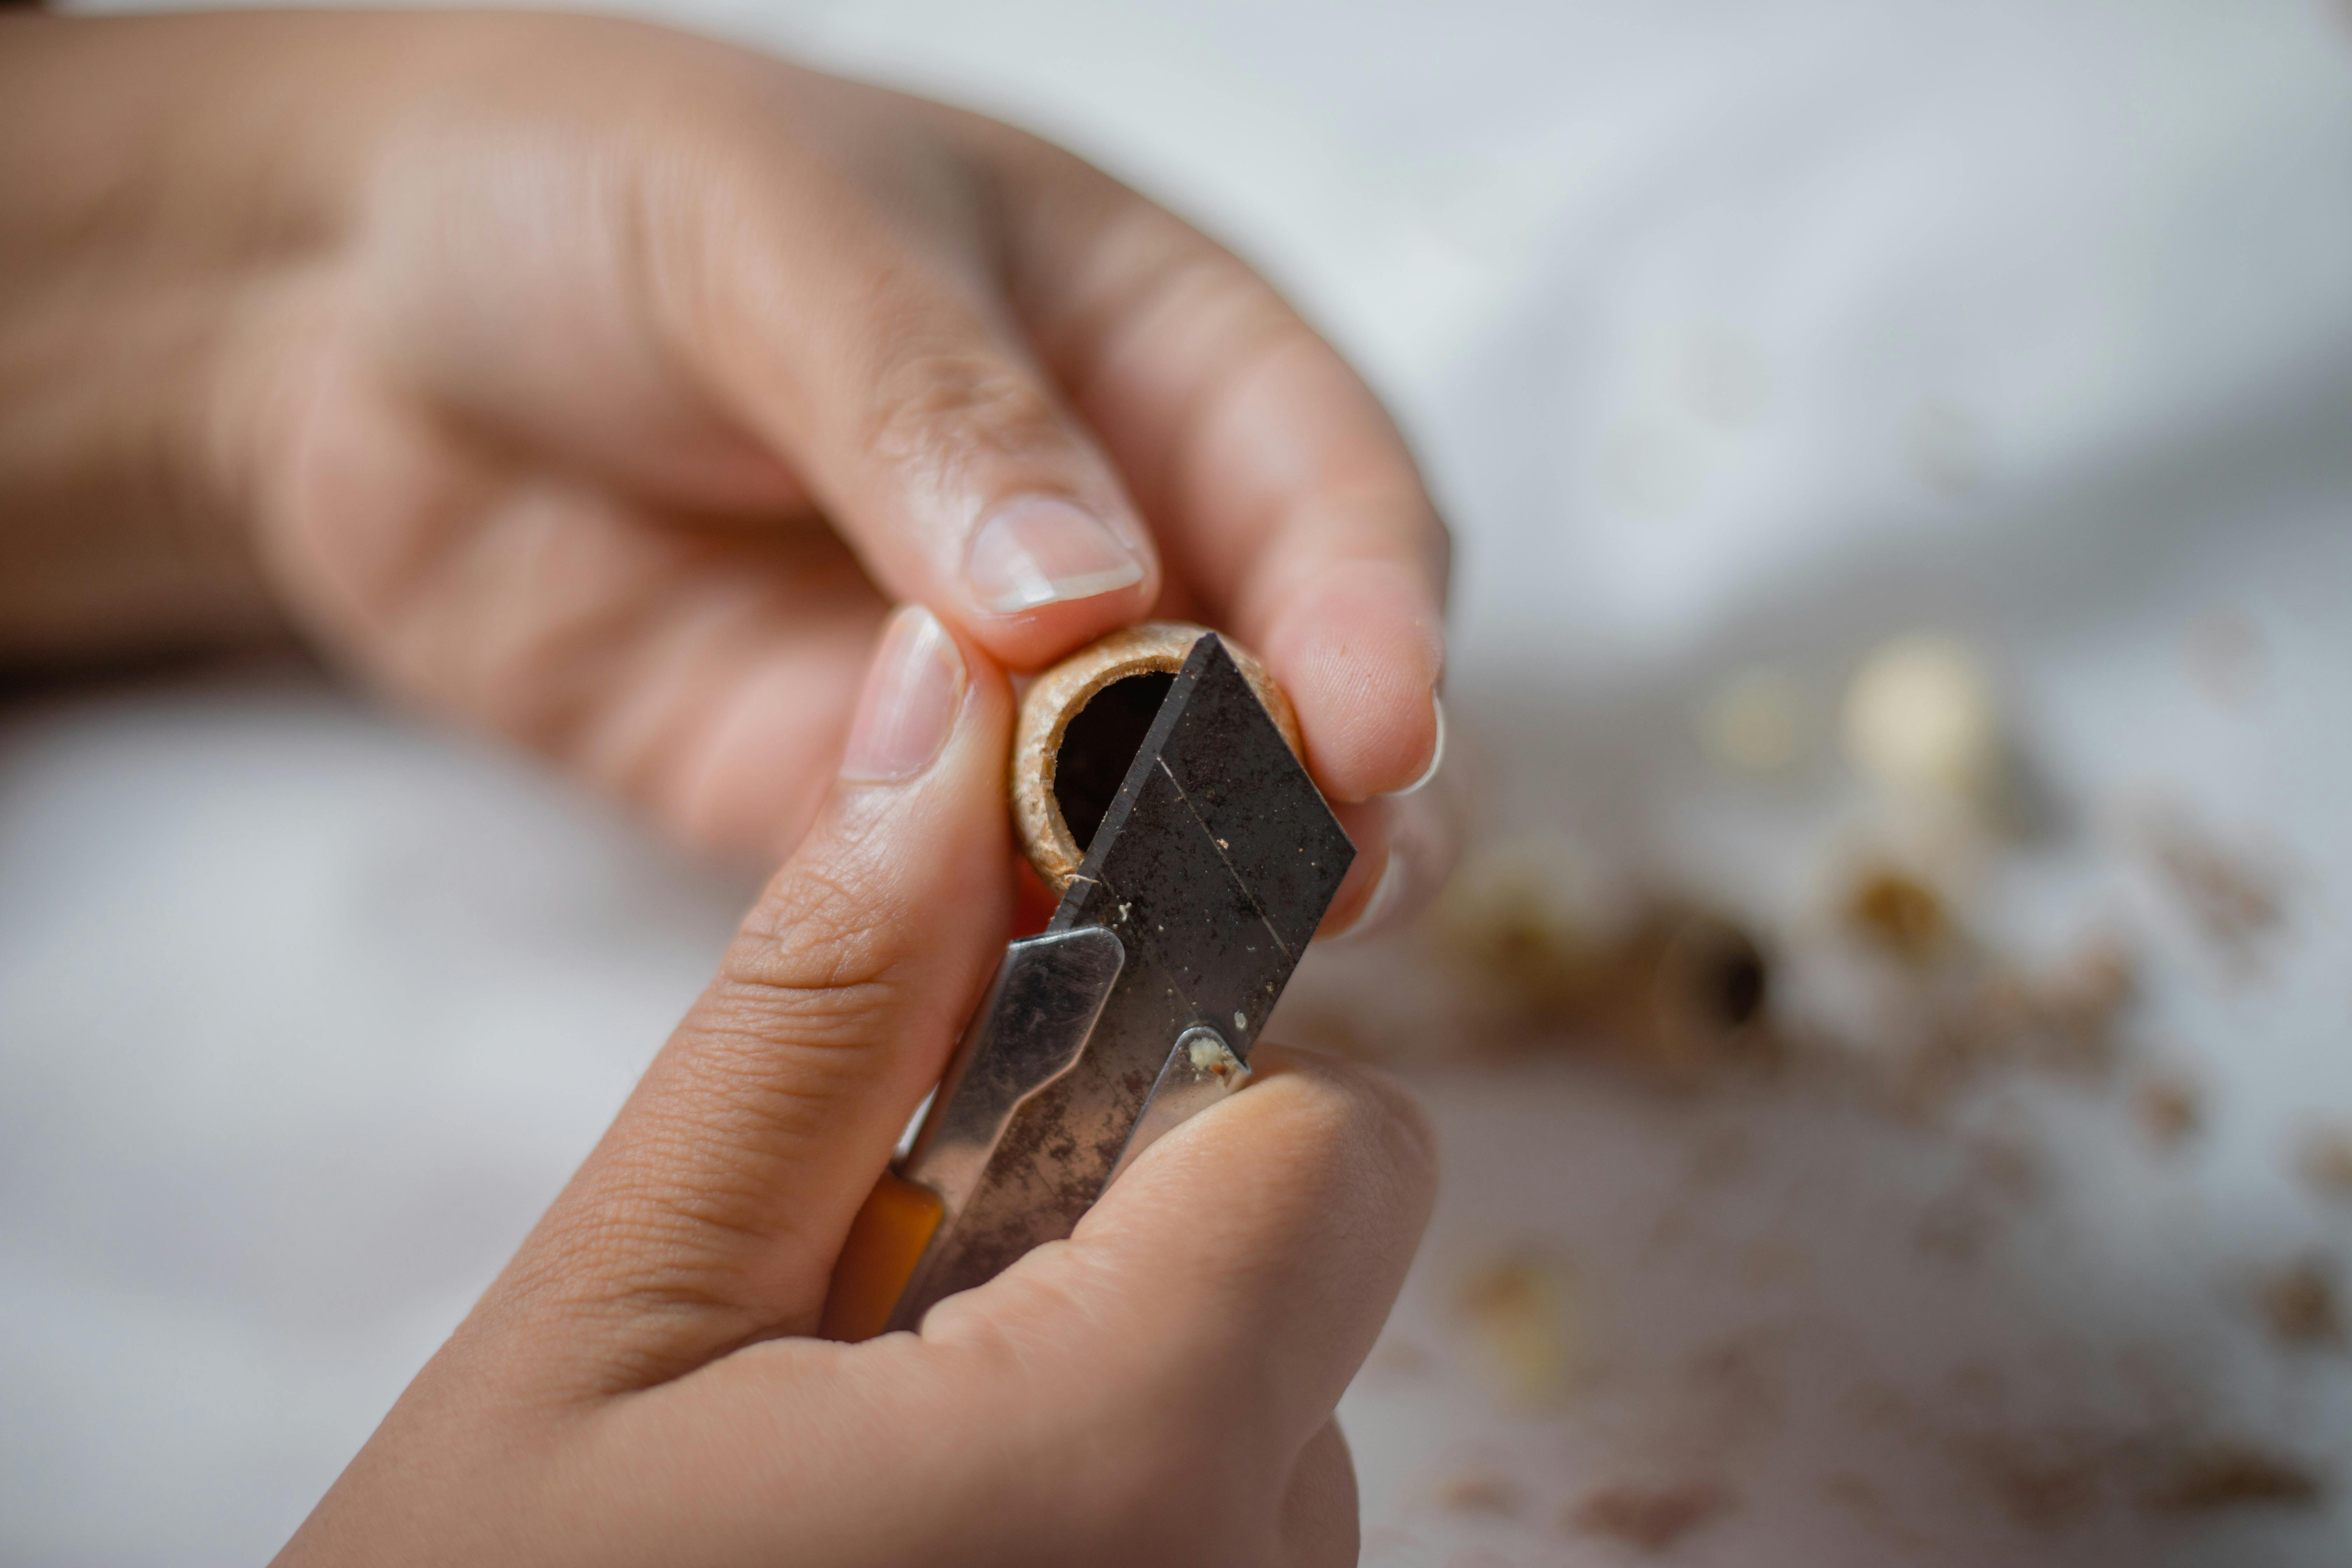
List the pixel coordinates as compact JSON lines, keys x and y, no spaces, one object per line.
{"x":2299,"y":1305}
{"x":2044,"y":1481}
{"x":2229,"y":1474}
{"x":2231,"y":900}
{"x":1920,"y":721}
{"x":1649,"y":1516}
{"x":2006,"y":1167}
{"x":1956,"y":1229}
{"x":1867,"y":1503}
{"x":1979,"y":1013}
{"x":1756,"y":723}
{"x":1506,"y":921}
{"x":1526,"y":1313}
{"x":1478,"y":1491}
{"x":2168,"y":1107}
{"x":1673,"y":991}
{"x":1898,"y":912}
{"x":2082,"y":998}
{"x":2325,"y":1163}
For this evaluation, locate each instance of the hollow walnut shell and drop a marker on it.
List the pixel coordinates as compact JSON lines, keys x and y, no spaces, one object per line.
{"x":1057,"y":697}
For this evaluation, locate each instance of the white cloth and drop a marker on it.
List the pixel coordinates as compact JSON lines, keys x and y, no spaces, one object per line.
{"x":1729,"y":333}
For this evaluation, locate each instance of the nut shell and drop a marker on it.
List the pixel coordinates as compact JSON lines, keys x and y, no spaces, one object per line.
{"x":1058,"y":696}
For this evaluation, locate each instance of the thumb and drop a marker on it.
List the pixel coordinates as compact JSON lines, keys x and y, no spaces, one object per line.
{"x":712,"y":1211}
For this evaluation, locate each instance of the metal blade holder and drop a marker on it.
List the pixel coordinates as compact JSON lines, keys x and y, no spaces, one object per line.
{"x":1205,"y":871}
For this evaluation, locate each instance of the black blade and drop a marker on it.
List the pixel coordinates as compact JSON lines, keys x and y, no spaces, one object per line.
{"x":1214,"y":865}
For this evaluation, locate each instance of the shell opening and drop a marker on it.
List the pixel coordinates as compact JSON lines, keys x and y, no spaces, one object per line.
{"x":1098,"y":746}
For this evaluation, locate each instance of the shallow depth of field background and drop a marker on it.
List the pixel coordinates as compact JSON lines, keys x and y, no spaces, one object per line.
{"x":1740,"y":340}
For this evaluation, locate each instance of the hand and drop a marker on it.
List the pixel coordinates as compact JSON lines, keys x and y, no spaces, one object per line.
{"x":638,"y":1386}
{"x":601,"y":386}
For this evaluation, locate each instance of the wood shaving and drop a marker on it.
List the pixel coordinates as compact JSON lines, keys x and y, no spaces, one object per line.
{"x":1525,"y":922}
{"x":1686,"y":997}
{"x":1731,"y":1394}
{"x":2325,"y":1163}
{"x":2044,"y":1481}
{"x":1899,"y":913}
{"x":1919,"y":721}
{"x":1676,"y":992}
{"x":1979,"y":1014}
{"x":2169,"y":1109}
{"x":2299,"y":1306}
{"x":1478,"y":1491}
{"x":2079,"y":1002}
{"x":1529,"y":1317}
{"x":1956,"y":1228}
{"x":2232,"y":902}
{"x":1862,"y":1497}
{"x":2227,"y":1475}
{"x":2006,"y":1168}
{"x":1648,"y":1517}
{"x":1756,"y":723}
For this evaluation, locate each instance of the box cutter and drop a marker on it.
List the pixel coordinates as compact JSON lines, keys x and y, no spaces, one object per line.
{"x":1210,"y":868}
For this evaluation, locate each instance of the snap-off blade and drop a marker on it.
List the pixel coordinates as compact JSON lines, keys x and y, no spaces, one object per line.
{"x":1212,"y":867}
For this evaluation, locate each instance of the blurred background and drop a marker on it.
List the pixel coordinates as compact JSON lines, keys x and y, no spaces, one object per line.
{"x":1890,"y":1033}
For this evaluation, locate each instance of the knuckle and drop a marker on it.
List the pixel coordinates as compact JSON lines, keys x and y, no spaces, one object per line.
{"x":824,"y":922}
{"x":817,"y":962}
{"x":748,"y":1018}
{"x":1232,"y":307}
{"x":949,"y":406}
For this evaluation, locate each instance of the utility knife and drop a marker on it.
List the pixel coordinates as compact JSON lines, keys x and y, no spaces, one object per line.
{"x":1209,"y":868}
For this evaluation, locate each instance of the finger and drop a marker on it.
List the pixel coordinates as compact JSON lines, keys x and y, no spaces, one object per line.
{"x":1320,"y":1524}
{"x":712,"y":1211}
{"x":876,"y":352}
{"x":1160,"y":1386}
{"x":707,"y":675}
{"x":1369,"y":891}
{"x":1406,"y":846}
{"x":1235,"y":1277}
{"x":782,"y":288}
{"x":1280,"y":490}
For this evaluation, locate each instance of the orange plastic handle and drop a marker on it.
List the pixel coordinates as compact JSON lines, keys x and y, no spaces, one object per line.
{"x":886,"y":1241}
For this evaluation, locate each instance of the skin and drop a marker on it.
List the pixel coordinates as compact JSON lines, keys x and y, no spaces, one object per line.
{"x":639,"y":1385}
{"x":602,"y":387}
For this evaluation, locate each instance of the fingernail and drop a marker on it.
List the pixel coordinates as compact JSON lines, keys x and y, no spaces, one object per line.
{"x":912,"y":694}
{"x":1040,"y":549}
{"x":1436,"y":753}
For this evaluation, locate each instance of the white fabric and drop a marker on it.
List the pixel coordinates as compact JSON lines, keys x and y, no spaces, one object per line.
{"x":1728,"y":333}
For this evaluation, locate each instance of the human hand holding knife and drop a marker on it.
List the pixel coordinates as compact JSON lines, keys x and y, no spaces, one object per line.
{"x":646,"y":1383}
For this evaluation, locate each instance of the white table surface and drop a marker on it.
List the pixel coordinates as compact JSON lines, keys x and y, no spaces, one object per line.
{"x":1730,"y":333}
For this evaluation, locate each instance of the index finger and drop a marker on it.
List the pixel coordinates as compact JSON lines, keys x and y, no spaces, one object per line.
{"x":1280,"y":490}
